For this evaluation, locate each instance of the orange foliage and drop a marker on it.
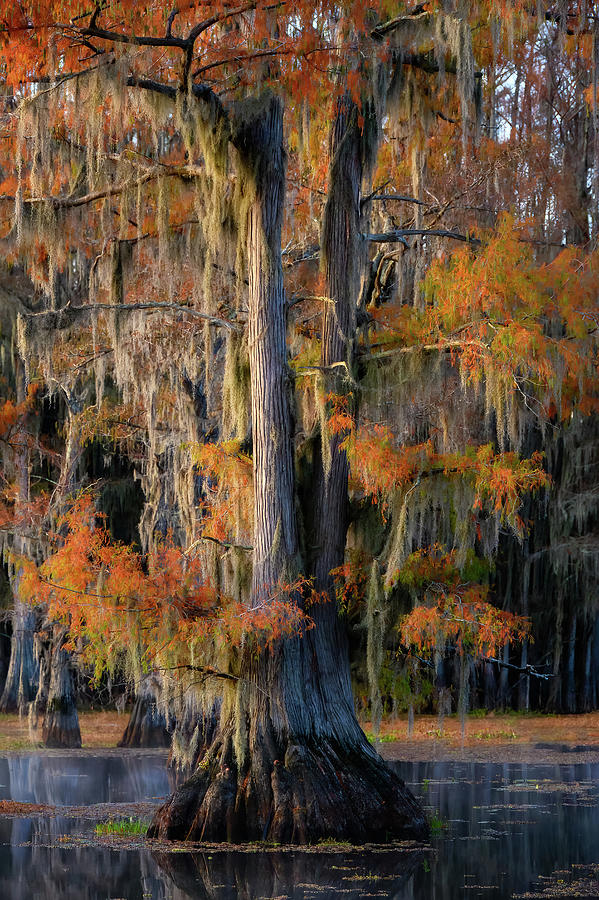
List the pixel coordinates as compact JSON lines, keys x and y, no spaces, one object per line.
{"x":498,"y":310}
{"x":464,"y":620}
{"x":157,"y":606}
{"x":379,"y":467}
{"x":13,"y":418}
{"x":457,"y":612}
{"x":227,"y":510}
{"x":351,"y":580}
{"x":534,"y":324}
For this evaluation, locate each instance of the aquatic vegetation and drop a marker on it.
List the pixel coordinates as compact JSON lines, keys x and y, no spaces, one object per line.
{"x":438,"y":825}
{"x":124,"y":827}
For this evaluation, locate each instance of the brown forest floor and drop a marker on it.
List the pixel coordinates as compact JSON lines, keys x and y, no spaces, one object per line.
{"x":98,"y":730}
{"x":501,"y":736}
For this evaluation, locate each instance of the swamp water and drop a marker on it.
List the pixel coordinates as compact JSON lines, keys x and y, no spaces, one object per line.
{"x":503,"y":831}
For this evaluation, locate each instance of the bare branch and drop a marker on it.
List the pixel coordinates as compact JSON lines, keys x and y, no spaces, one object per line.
{"x":526,"y":670}
{"x":198,"y":29}
{"x":157,"y":87}
{"x":395,"y":197}
{"x":226,"y":544}
{"x":393,"y":24}
{"x":169,"y":25}
{"x":137,"y":40}
{"x":400,"y":234}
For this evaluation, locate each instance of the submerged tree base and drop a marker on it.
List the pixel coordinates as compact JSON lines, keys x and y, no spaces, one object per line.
{"x":302,"y":795}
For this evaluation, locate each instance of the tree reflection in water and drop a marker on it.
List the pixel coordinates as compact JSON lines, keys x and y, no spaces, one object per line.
{"x":252,"y":874}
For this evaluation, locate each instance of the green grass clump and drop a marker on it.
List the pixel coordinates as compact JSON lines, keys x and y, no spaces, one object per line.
{"x":122,"y":826}
{"x":502,"y":734}
{"x":437,"y":824}
{"x":389,"y":738}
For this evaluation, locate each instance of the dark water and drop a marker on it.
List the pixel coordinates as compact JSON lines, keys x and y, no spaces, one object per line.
{"x":505,"y":830}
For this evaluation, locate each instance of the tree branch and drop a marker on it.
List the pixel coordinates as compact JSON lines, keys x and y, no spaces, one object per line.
{"x":376,"y":196}
{"x":65,"y":317}
{"x":117,"y":37}
{"x":226,"y":544}
{"x":169,"y":25}
{"x":198,"y":29}
{"x":393,"y":24}
{"x":184,"y":172}
{"x":526,"y":670}
{"x":398,"y":236}
{"x":441,"y":346}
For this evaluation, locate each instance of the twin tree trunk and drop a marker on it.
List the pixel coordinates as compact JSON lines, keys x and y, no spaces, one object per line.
{"x":290,"y":763}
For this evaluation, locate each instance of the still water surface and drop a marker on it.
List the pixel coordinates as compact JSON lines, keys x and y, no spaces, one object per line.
{"x":509,"y":828}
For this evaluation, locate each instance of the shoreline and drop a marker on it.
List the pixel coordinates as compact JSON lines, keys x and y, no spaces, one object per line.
{"x":490,"y":737}
{"x":538,"y":754}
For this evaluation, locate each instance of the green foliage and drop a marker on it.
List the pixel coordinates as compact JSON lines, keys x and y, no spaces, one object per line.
{"x":390,"y":738}
{"x":125,"y":827}
{"x":405,"y":689}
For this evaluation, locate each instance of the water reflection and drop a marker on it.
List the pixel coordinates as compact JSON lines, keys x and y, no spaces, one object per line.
{"x":507,"y":827}
{"x":298,"y":875}
{"x":73,"y":780}
{"x":54,"y":873}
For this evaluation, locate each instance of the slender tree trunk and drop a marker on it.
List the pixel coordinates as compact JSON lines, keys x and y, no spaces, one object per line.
{"x":595,"y":665}
{"x":554,"y":700}
{"x":147,"y":724}
{"x":21,"y":679}
{"x":586,"y":703}
{"x":290,"y":763}
{"x":524,"y":684}
{"x":490,"y":685}
{"x":571,"y":686}
{"x":38,"y":706}
{"x":60,"y":727}
{"x":503,"y":678}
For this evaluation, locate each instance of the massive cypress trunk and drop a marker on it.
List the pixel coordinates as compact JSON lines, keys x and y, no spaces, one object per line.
{"x":196,"y":726}
{"x":342,"y":251}
{"x":571,"y":672}
{"x":290,"y":763}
